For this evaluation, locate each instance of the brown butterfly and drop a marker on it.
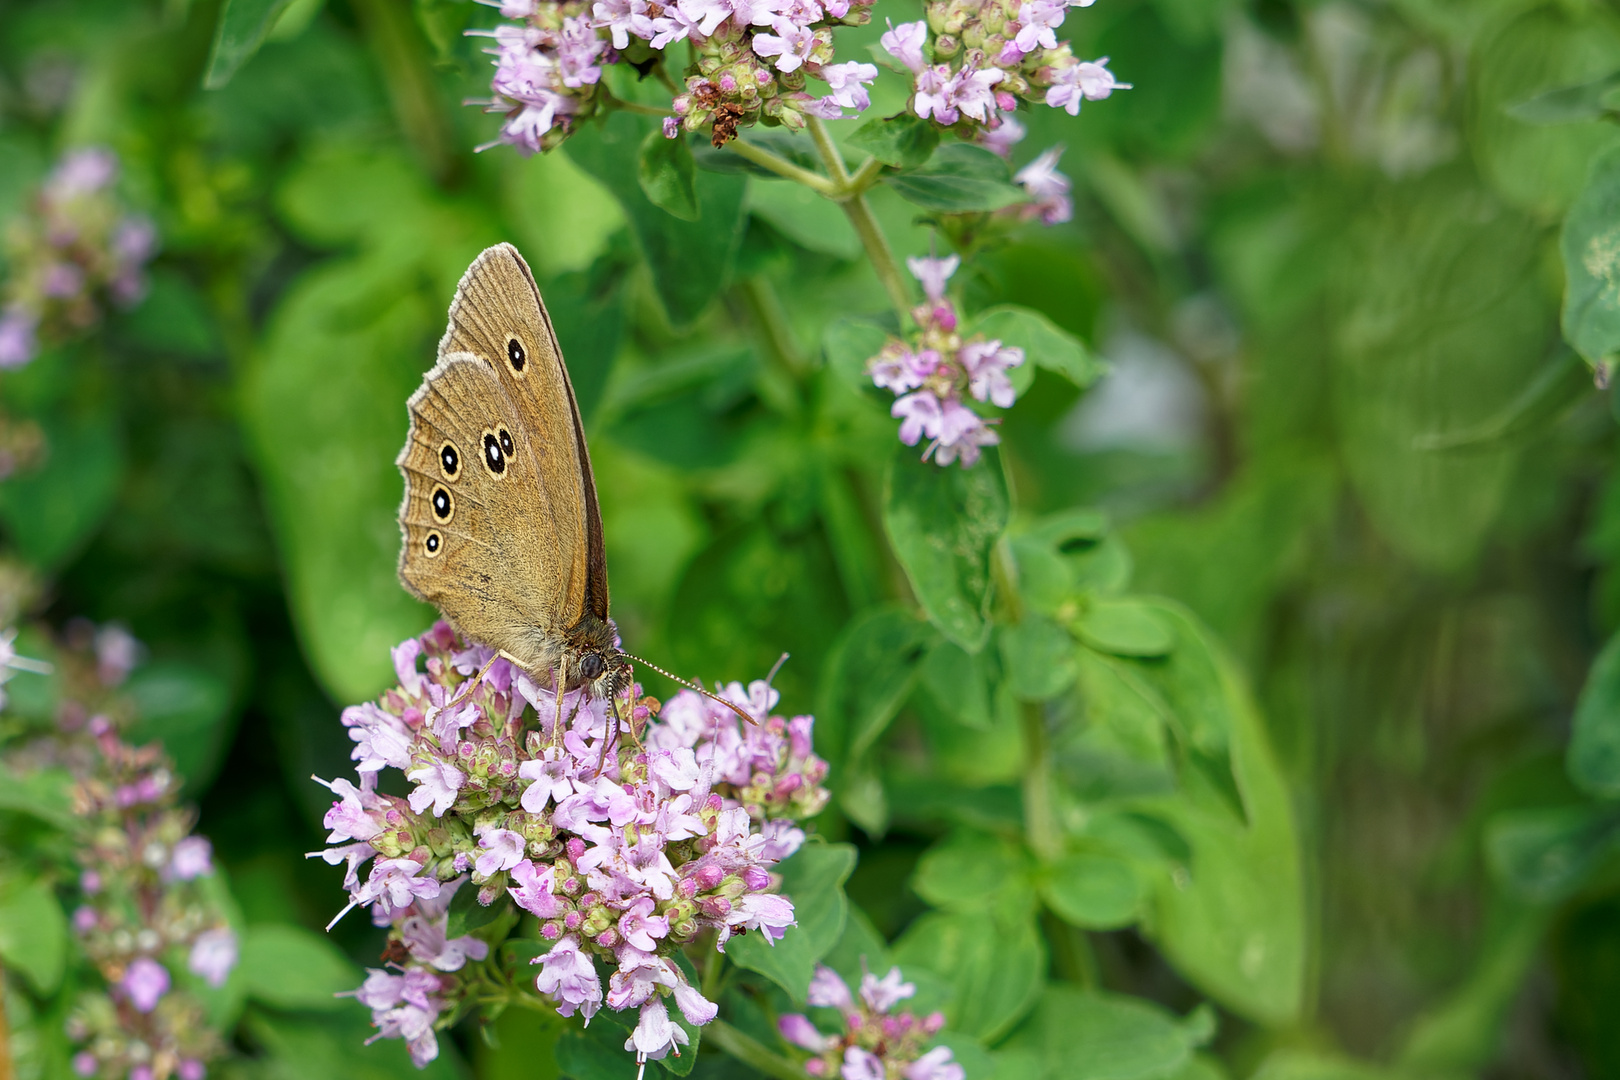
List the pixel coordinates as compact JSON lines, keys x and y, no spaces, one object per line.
{"x":500,"y":521}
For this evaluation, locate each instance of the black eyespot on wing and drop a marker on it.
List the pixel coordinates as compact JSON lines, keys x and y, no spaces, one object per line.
{"x":494,"y":456}
{"x":443,"y":504}
{"x":506,"y":442}
{"x":515,"y":354}
{"x":449,"y":460}
{"x":433,"y":543}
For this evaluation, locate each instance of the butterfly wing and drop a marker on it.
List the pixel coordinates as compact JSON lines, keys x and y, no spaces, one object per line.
{"x":518,"y":556}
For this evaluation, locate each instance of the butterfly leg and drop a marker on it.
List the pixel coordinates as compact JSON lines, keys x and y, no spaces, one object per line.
{"x":467,"y":687}
{"x":610,"y":737}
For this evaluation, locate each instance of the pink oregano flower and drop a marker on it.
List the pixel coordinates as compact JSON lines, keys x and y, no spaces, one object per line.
{"x":875,"y":1042}
{"x":932,"y":373}
{"x":626,"y":846}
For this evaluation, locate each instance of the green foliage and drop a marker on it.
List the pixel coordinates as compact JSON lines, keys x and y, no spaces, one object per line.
{"x":943,"y":524}
{"x":958,"y":178}
{"x":1591,"y":249}
{"x":815,"y":878}
{"x":905,"y":142}
{"x":33,"y":932}
{"x":293,"y":969}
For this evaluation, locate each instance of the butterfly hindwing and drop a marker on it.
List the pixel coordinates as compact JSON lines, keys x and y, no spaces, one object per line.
{"x":498,"y":315}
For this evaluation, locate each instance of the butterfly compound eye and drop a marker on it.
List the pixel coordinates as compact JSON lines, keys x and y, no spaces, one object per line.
{"x":592,"y":665}
{"x":515,"y":353}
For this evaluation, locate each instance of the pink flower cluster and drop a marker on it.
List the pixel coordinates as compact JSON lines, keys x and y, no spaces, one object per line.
{"x":75,"y":248}
{"x":626,"y":845}
{"x":141,"y":908}
{"x":929,"y":375}
{"x":972,"y":61}
{"x":750,"y":62}
{"x":876,"y":1043}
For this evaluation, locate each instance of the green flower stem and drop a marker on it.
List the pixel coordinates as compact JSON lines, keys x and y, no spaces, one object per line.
{"x":1040,"y":823}
{"x":785,"y":168}
{"x":867,"y":175}
{"x":408,"y":77}
{"x":877,"y":250}
{"x":636,"y":106}
{"x":852,"y":198}
{"x":830,"y":156}
{"x":750,"y":1052}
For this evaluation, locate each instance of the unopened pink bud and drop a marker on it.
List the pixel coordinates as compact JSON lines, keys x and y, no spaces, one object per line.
{"x":933,"y":1022}
{"x":553,"y":930}
{"x":573,"y":919}
{"x":945,"y":316}
{"x":1005,"y":101}
{"x":755,"y":878}
{"x":728,"y":83}
{"x":576,"y":849}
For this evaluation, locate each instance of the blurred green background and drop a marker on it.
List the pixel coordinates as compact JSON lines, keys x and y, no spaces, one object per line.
{"x":1321,"y":262}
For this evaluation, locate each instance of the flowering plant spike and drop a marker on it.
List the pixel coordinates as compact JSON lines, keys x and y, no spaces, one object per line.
{"x":625,"y":847}
{"x":75,"y":249}
{"x":933,"y":372}
{"x":753,"y":61}
{"x":877,"y":1041}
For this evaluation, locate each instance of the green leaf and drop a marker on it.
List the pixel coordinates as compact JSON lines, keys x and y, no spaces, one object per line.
{"x":1124,"y":628}
{"x":871,"y":674}
{"x":993,"y":966}
{"x":33,"y":932}
{"x":904,"y":141}
{"x":943,"y":524}
{"x":1590,"y":243}
{"x":336,"y":1046}
{"x":597,"y":1052}
{"x":1096,"y":892}
{"x":185,"y":707}
{"x":814,"y":880}
{"x":1544,"y":855}
{"x":1038,"y":657}
{"x":974,"y":871}
{"x":1232,"y":919}
{"x":1533,"y":166}
{"x":1571,"y":104}
{"x":243,"y":26}
{"x":289,"y":967}
{"x":1309,"y":1065}
{"x":1442,"y":331}
{"x":668,"y":176}
{"x":50,"y":512}
{"x":1044,"y":580}
{"x":848,"y":345}
{"x":1045,"y":344}
{"x":1085,"y":1035}
{"x":959,"y":683}
{"x":1593,"y":760}
{"x":691,"y":260}
{"x":466,"y":914}
{"x":809,"y":220}
{"x":46,"y":794}
{"x":959,"y":179}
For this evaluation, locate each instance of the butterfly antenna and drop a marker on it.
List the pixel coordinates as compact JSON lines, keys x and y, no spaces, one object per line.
{"x":695,"y":686}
